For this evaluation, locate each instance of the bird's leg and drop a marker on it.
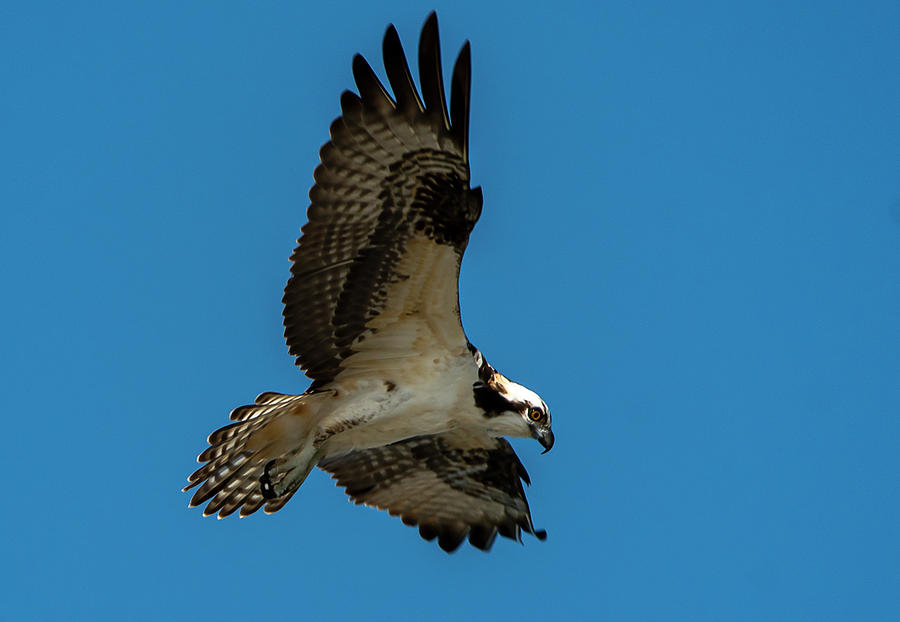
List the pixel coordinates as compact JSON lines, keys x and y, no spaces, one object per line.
{"x":286,"y":474}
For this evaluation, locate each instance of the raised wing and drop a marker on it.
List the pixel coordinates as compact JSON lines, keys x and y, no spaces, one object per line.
{"x":391,"y":196}
{"x":451,"y":485}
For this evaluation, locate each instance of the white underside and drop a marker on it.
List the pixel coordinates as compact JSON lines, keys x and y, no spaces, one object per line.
{"x":422,"y":402}
{"x":420,"y":348}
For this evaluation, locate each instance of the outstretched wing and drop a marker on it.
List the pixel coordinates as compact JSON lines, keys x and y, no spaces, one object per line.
{"x":391,"y":201}
{"x":451,"y":485}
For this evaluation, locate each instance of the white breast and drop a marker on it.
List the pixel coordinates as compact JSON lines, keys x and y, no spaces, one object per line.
{"x":426,"y":396}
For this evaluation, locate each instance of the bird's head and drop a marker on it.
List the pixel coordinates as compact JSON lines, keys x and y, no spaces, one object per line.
{"x":511,"y":409}
{"x":528,"y":407}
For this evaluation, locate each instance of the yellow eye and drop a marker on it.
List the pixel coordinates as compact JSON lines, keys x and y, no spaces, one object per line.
{"x":535,"y":414}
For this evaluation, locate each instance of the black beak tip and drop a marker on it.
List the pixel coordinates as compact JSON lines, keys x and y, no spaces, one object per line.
{"x":547,"y":441}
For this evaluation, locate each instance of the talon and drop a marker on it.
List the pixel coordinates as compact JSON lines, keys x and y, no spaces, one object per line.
{"x":265,"y":482}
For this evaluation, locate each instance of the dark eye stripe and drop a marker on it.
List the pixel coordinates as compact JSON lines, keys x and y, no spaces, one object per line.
{"x":489,"y":400}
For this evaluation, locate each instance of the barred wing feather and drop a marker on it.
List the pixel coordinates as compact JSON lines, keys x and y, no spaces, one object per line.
{"x":395,"y":172}
{"x":451,"y":485}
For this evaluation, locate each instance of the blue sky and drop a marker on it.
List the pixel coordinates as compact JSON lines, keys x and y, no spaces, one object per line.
{"x":690,"y":248}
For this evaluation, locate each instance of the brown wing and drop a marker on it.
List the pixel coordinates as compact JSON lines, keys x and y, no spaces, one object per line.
{"x":450,"y":485}
{"x":394,"y":175}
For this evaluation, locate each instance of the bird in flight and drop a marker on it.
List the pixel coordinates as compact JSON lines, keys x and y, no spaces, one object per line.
{"x":404,"y":412}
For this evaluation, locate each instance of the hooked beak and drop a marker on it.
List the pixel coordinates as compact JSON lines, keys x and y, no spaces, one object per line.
{"x":545,"y":438}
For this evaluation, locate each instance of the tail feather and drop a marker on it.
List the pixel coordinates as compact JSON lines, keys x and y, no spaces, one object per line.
{"x":277,"y":503}
{"x":252,"y":503}
{"x":224,"y":440}
{"x":235,"y":460}
{"x":270,"y":398}
{"x":233,"y":476}
{"x":228,"y":496}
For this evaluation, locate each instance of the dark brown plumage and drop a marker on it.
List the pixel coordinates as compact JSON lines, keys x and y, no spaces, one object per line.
{"x":394,"y":167}
{"x":451,"y":485}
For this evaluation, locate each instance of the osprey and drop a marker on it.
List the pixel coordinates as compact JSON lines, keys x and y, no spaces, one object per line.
{"x":403,"y":411}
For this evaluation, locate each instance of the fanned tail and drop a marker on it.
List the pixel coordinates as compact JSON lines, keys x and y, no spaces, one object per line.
{"x":275,"y":426}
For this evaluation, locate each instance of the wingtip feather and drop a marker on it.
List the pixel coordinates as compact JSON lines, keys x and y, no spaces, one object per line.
{"x":398,"y":74}
{"x":460,"y":97}
{"x":370,"y":88}
{"x":431,"y":75}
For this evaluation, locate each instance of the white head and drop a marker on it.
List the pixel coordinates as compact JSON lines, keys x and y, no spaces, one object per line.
{"x":511,"y":409}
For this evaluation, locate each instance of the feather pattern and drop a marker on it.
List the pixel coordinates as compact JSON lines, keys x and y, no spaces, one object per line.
{"x":403,"y":411}
{"x":451,"y":485}
{"x":395,"y":169}
{"x":238,"y":453}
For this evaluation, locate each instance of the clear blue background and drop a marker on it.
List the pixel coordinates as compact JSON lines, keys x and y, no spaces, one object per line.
{"x":690,"y":247}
